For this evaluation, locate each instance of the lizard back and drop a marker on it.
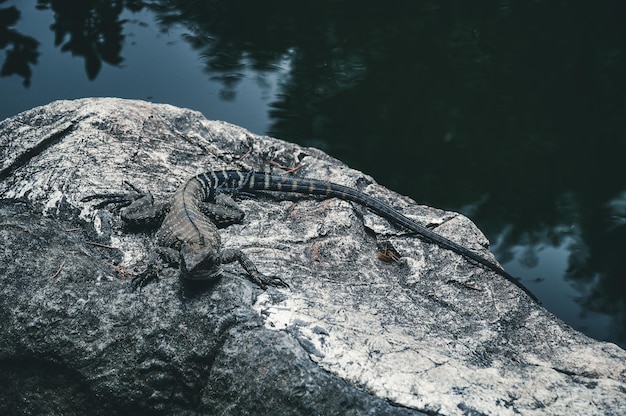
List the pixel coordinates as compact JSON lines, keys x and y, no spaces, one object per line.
{"x":185,"y":223}
{"x":212,"y":181}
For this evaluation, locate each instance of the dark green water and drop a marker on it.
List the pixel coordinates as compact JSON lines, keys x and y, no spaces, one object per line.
{"x":511,"y":112}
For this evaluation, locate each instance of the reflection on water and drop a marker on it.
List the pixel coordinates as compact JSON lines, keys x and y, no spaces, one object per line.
{"x":563,"y":297}
{"x":21,"y":50}
{"x":90,"y":29}
{"x":511,"y":112}
{"x":582,"y":246}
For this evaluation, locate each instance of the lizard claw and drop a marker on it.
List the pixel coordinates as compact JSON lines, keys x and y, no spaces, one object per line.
{"x":277,"y":282}
{"x":118,"y":199}
{"x":265,"y":281}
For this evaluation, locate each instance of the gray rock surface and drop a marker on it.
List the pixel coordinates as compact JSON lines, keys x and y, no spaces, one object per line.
{"x":432,"y":334}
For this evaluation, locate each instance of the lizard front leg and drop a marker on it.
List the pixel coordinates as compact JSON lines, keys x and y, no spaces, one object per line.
{"x":231,"y":255}
{"x":199,"y":262}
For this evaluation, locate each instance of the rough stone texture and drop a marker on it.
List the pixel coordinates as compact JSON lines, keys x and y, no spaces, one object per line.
{"x":352,"y":335}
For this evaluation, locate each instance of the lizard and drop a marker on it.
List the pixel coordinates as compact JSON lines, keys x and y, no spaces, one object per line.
{"x":199,"y":205}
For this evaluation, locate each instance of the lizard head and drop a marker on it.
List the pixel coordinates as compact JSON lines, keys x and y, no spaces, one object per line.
{"x":199,"y":263}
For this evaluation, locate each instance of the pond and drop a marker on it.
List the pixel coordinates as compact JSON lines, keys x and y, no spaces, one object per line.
{"x":510,"y":112}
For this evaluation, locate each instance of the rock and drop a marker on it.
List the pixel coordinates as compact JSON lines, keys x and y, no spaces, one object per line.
{"x":432,"y":334}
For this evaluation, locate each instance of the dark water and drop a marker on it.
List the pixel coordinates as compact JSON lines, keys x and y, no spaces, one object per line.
{"x":511,"y":112}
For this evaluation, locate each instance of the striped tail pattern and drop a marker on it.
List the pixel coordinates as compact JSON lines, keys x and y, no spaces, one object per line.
{"x":213,"y":181}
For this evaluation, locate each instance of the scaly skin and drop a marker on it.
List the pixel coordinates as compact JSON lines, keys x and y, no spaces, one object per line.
{"x":187,"y":229}
{"x":190,"y":231}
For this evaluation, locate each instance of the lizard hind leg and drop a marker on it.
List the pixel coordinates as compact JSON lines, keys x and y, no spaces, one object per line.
{"x":223,"y":212}
{"x":143,"y":212}
{"x":137,"y":208}
{"x":231,"y":255}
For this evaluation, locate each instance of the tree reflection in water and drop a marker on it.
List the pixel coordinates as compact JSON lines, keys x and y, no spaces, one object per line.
{"x":22,"y":50}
